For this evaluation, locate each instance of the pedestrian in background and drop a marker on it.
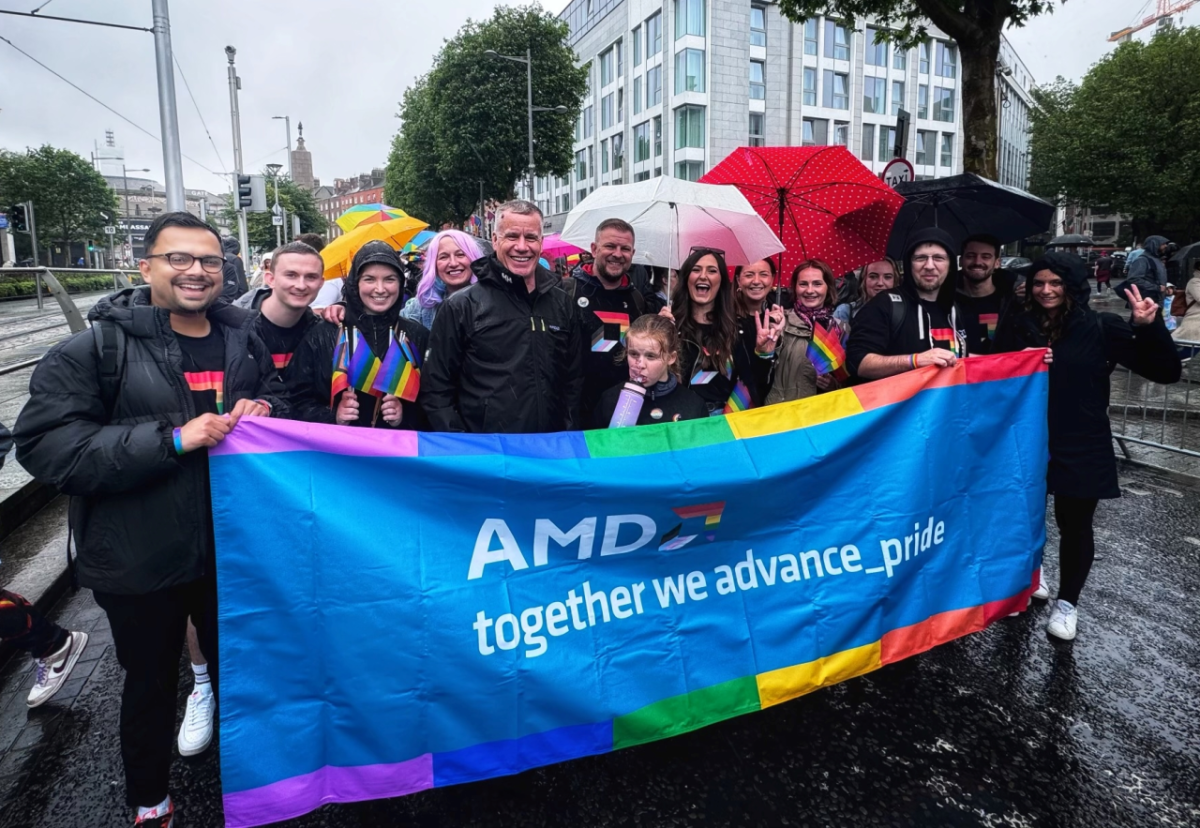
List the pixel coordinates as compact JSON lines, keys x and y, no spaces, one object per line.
{"x":233,"y":272}
{"x":1188,"y":328}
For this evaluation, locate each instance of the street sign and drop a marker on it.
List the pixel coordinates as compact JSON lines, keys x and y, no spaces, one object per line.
{"x":277,"y":221}
{"x":110,"y":230}
{"x":898,"y":171}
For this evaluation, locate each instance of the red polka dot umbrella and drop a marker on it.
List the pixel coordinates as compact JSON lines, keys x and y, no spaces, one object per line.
{"x":822,"y":202}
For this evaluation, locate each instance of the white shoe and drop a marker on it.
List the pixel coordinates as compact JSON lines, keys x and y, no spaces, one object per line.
{"x":53,"y":670}
{"x":195,"y":734}
{"x":1062,"y":620}
{"x":1042,"y":593}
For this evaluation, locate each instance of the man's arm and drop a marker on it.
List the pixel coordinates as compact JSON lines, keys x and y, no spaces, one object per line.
{"x":443,"y":370}
{"x":270,"y":388}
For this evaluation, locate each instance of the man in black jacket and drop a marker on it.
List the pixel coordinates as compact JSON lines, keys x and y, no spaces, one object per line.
{"x":119,"y":418}
{"x":505,"y":354}
{"x":233,"y":273}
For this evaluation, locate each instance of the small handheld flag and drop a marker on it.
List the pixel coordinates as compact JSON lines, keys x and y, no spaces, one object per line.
{"x":739,"y":399}
{"x":826,"y":353}
{"x":400,"y":373}
{"x":363,"y":366}
{"x":340,"y":380}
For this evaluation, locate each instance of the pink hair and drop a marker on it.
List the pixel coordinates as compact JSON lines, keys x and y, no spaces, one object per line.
{"x":428,"y":295}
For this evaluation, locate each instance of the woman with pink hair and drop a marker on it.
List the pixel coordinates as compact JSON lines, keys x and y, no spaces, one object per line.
{"x":447,"y":270}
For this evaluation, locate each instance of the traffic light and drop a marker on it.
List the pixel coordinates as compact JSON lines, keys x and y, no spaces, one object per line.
{"x":245,"y":198}
{"x":20,"y":218}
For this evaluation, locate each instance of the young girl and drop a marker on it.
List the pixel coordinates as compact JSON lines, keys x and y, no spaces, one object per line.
{"x":652,"y":350}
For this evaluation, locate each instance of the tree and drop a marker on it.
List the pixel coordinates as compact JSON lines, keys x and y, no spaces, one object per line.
{"x":1128,"y":136}
{"x":465,"y":121}
{"x":295,"y":201}
{"x":70,"y":199}
{"x":975,"y":25}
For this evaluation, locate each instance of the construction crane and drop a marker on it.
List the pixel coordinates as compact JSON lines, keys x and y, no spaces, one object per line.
{"x":1165,"y":9}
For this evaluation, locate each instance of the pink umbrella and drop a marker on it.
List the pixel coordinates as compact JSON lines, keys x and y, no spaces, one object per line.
{"x":553,"y":247}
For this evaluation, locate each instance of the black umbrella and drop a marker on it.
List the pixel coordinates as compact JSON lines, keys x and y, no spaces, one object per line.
{"x":1070,"y":240}
{"x":966,"y":205}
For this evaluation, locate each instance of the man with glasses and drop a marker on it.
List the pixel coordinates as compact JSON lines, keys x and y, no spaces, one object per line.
{"x":120,"y":417}
{"x":917,"y":324}
{"x":505,"y":353}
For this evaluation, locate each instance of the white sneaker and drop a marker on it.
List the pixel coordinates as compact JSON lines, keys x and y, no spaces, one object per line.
{"x":1062,"y":620}
{"x":1042,"y":593}
{"x":53,"y":670}
{"x":196,"y":732}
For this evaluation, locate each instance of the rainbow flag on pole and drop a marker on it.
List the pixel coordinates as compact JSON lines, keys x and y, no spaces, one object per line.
{"x":354,"y":367}
{"x":739,"y":399}
{"x":826,"y":353}
{"x":400,"y":374}
{"x":340,"y":381}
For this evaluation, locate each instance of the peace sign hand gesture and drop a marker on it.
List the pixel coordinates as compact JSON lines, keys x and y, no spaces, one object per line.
{"x":768,"y":325}
{"x":1142,"y":310}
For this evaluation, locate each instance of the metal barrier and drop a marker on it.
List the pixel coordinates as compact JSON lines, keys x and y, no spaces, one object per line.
{"x":1159,"y":425}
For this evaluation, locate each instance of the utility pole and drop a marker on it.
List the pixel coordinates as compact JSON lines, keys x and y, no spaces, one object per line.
{"x":235,"y":83}
{"x":167,"y":112}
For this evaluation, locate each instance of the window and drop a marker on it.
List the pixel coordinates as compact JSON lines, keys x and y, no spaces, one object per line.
{"x":689,"y":18}
{"x":924,"y":57}
{"x":868,"y":142}
{"x":947,"y":149}
{"x":689,"y":127}
{"x":588,"y":122}
{"x":810,"y":36}
{"x":689,"y":71}
{"x":618,"y":145}
{"x":637,"y":94}
{"x":637,"y":45}
{"x":606,"y":111}
{"x":641,"y":143}
{"x":943,"y":104}
{"x":620,"y":47}
{"x":925,"y":146}
{"x":758,"y":130}
{"x":947,"y":59}
{"x":758,"y":85}
{"x":899,"y":58}
{"x":604,"y":156}
{"x":837,"y":90}
{"x":815,"y":131}
{"x":923,"y":101}
{"x":581,"y":166}
{"x":642,"y":176}
{"x":876,"y":49}
{"x":873,"y":95}
{"x":653,"y":86}
{"x":689,"y":170}
{"x":837,"y":41}
{"x":620,"y":105}
{"x":897,"y":96}
{"x":841,"y":133}
{"x":887,"y":143}
{"x":810,"y":86}
{"x":654,"y":34}
{"x":606,"y":68}
{"x":758,"y":26}
{"x":658,"y":139}
{"x":581,"y":194}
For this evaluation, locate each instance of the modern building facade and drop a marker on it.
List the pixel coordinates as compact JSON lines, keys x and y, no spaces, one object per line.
{"x":676,"y":85}
{"x":1014,"y":85}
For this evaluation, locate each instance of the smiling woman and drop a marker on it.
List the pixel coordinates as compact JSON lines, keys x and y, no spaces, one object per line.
{"x":805,"y":366}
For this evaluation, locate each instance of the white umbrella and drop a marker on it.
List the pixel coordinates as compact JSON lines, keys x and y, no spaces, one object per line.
{"x":671,"y":216}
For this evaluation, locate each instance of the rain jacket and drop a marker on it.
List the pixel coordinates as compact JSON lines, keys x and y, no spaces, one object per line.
{"x":603,"y":338}
{"x":899,"y":322}
{"x":233,"y":273}
{"x":795,"y":378}
{"x":140,"y":512}
{"x":503,"y":360}
{"x":1149,"y":265}
{"x":1082,"y":463}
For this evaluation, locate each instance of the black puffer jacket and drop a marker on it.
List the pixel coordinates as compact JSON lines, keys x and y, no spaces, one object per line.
{"x":140,"y":513}
{"x":1082,"y":463}
{"x":502,"y":360}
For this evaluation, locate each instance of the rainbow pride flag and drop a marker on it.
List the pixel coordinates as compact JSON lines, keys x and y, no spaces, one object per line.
{"x":400,"y":373}
{"x":739,"y":399}
{"x":340,"y":380}
{"x":363,"y":366}
{"x":826,"y":353}
{"x":773,"y":596}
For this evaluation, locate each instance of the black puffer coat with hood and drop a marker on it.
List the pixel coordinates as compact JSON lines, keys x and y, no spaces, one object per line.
{"x":1091,"y":345}
{"x":310,"y":374}
{"x":140,"y":512}
{"x":899,"y":322}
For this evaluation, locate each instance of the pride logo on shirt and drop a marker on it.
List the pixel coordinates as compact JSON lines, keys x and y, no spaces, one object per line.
{"x":208,"y":381}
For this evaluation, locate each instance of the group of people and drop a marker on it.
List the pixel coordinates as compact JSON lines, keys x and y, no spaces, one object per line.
{"x":119,"y":417}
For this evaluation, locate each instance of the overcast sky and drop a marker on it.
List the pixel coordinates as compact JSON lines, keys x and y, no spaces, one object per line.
{"x":341,"y":72}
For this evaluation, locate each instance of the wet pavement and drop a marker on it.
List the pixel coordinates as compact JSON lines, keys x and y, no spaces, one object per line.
{"x":1003,"y":728}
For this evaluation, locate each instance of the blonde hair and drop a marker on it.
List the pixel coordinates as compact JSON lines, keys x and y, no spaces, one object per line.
{"x":662,"y":330}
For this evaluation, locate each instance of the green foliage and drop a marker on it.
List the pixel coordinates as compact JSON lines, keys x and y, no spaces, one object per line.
{"x":71,"y":282}
{"x":68,"y":195}
{"x":260,"y":233}
{"x":465,"y":121}
{"x":1128,"y":136}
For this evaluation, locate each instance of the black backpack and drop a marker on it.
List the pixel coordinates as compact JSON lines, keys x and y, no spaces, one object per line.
{"x":109,"y":340}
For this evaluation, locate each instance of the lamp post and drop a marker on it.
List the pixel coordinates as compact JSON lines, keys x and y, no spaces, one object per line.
{"x":276,"y":215}
{"x":287,"y":120}
{"x":530,"y":108}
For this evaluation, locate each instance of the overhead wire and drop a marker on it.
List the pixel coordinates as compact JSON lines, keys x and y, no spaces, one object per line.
{"x":200,"y":115}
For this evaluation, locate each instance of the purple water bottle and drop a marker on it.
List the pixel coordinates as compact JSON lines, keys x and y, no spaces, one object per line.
{"x":629,"y":406}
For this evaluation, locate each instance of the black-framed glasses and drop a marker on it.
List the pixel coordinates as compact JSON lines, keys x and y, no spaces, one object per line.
{"x":182,"y":261}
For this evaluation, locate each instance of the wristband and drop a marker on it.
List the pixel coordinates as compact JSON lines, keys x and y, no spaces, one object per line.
{"x":177,"y":434}
{"x":914,"y":361}
{"x":265,"y":405}
{"x":764,"y":354}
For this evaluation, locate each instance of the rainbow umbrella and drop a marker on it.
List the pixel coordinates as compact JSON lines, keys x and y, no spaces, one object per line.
{"x":339,"y":253}
{"x":419,"y":241}
{"x":368,"y":214}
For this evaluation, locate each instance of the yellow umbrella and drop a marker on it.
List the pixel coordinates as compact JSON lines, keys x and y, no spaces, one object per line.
{"x":339,"y":253}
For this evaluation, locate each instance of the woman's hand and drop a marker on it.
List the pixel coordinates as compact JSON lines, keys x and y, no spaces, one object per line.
{"x":347,"y":410}
{"x":392,"y":410}
{"x":1143,"y":310}
{"x":826,"y":382}
{"x":768,"y":324}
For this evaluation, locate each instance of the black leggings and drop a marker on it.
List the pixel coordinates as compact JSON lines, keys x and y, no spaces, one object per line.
{"x":1076,"y":543}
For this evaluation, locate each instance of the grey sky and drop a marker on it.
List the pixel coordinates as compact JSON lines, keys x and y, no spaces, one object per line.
{"x":340,"y":67}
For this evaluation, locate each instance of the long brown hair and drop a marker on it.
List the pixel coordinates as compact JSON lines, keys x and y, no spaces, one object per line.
{"x":1050,"y":327}
{"x":716,"y":348}
{"x":661,"y":330}
{"x":740,"y":306}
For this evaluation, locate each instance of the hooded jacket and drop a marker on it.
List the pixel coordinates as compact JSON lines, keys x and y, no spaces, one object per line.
{"x":922,"y":325}
{"x":139,"y":511}
{"x":603,"y":337}
{"x":1082,"y":463}
{"x":233,"y":273}
{"x":1149,"y":266}
{"x":505,"y":360}
{"x":310,"y":374}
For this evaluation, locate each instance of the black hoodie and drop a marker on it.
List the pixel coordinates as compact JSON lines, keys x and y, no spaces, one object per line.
{"x":603,"y":337}
{"x":899,"y":322}
{"x":981,"y":315}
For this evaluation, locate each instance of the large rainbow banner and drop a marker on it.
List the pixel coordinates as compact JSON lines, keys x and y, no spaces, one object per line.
{"x":402,"y":611}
